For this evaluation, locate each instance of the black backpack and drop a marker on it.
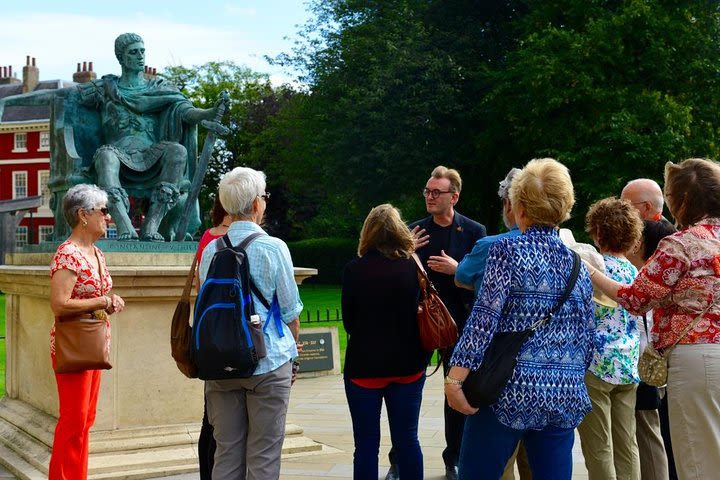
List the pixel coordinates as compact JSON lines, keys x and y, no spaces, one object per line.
{"x":227,"y":336}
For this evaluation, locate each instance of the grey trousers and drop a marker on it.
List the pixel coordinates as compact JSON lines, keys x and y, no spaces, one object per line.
{"x":653,"y":460}
{"x":248,"y":418}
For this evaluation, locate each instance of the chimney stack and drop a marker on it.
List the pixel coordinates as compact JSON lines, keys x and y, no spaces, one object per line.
{"x":85,"y":74}
{"x":150,"y":73}
{"x":6,"y":76}
{"x":31,"y":75}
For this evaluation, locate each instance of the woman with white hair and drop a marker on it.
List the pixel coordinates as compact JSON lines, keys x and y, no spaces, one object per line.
{"x":79,"y":287}
{"x":248,"y":414}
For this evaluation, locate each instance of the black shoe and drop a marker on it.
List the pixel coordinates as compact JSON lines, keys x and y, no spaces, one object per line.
{"x":393,"y":473}
{"x":451,"y":473}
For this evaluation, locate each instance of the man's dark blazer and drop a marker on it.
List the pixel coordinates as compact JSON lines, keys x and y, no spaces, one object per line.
{"x":463,"y":235}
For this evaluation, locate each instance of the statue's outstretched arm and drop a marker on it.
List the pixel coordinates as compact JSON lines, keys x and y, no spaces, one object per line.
{"x":196,"y":115}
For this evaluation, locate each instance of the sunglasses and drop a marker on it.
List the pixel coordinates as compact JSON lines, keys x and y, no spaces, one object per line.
{"x":103,"y":210}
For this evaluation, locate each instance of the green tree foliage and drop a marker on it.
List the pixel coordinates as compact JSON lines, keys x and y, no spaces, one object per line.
{"x":254,"y":101}
{"x":611,"y":88}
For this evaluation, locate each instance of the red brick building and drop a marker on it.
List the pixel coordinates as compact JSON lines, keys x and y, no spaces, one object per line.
{"x":25,"y":147}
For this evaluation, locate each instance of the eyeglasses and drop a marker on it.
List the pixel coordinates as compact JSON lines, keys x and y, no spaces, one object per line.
{"x":103,"y":210}
{"x":434,"y":193}
{"x":265,"y":197}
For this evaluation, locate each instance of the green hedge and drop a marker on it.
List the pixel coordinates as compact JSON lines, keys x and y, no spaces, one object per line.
{"x":328,"y":255}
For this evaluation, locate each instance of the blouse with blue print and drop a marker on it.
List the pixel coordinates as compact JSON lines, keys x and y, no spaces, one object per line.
{"x":524,"y":280}
{"x":617,"y":338}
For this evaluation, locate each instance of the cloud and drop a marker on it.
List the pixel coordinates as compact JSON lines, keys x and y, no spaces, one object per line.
{"x":60,"y":41}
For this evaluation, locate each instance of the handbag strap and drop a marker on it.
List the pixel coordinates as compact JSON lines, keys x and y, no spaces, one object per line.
{"x":566,"y":294}
{"x":189,"y":281}
{"x":100,"y":271}
{"x":689,"y":328}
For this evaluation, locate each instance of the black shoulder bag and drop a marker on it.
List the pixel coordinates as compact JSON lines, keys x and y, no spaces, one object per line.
{"x":483,"y":386}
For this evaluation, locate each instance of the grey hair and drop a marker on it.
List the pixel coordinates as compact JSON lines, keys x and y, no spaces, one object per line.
{"x":83,"y":196}
{"x":650,"y":192}
{"x":239,"y":188}
{"x":122,"y":41}
{"x":504,"y":188}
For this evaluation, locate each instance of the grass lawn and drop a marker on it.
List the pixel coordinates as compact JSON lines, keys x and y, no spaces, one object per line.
{"x":323,"y":297}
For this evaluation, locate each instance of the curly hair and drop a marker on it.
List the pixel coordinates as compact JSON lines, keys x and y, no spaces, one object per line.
{"x":385,"y":231}
{"x":614,"y":224}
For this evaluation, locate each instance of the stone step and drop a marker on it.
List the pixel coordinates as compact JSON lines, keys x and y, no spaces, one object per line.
{"x":137,"y":453}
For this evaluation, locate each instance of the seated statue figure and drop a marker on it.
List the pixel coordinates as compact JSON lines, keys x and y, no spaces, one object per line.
{"x":148,"y":138}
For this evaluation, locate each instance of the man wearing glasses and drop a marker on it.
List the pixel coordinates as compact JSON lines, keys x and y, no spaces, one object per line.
{"x":646,"y":196}
{"x":441,"y":241}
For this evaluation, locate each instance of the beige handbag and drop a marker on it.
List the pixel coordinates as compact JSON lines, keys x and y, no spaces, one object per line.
{"x":652,"y":366}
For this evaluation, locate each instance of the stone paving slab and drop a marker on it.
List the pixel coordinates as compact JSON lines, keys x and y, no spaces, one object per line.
{"x":318,"y":405}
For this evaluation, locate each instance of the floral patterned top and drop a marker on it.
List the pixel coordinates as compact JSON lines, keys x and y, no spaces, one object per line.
{"x":679,"y":281}
{"x":69,"y":257}
{"x":617,"y":338}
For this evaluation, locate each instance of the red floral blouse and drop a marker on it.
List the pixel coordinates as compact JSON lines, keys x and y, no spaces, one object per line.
{"x":679,"y":282}
{"x":69,"y":257}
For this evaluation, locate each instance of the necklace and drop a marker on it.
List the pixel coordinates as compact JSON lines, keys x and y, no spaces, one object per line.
{"x":223,"y":225}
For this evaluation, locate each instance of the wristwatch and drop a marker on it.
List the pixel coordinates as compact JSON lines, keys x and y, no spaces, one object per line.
{"x":452,"y":381}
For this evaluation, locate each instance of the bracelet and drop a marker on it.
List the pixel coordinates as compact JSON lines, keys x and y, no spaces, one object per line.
{"x":453,"y":381}
{"x":107,"y":302}
{"x":592,"y":272}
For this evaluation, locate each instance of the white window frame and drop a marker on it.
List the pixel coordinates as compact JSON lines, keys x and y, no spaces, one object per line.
{"x":44,"y":145}
{"x":43,"y":179}
{"x":45,"y":233}
{"x":20,"y":142}
{"x":20,"y":181}
{"x":21,"y":236}
{"x":111,"y":231}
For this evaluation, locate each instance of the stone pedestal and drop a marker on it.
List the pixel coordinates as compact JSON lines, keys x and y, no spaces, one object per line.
{"x":148,"y":413}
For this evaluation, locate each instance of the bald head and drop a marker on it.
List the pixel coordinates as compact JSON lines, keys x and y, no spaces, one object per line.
{"x":646,"y":196}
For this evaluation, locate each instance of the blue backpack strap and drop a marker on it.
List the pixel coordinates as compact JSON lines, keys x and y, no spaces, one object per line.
{"x":274,"y":313}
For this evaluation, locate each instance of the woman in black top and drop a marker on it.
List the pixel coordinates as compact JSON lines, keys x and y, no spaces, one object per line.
{"x":384,"y":358}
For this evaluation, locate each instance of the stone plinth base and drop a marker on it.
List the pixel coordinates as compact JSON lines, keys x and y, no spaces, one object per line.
{"x":148,"y":413}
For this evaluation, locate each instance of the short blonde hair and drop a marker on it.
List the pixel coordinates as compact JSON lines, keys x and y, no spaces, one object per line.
{"x":615,"y":224}
{"x":544,"y":190}
{"x":692,"y":188}
{"x":385,"y":231}
{"x":451,"y":174}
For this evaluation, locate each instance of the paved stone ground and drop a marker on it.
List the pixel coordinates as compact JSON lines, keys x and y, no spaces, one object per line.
{"x":319,"y":406}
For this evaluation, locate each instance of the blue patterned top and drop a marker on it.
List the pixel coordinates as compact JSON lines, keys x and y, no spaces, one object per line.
{"x":524,"y":280}
{"x":617,"y":338}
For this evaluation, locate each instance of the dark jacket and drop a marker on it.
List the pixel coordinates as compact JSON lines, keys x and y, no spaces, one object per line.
{"x":463,"y":235}
{"x":379,"y":310}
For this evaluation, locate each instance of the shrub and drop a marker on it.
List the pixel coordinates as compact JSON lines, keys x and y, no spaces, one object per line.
{"x":328,"y":255}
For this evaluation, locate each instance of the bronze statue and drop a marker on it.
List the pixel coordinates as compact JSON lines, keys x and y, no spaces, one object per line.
{"x":147,"y":146}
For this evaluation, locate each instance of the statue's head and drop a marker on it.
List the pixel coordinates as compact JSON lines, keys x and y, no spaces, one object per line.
{"x":122,"y":42}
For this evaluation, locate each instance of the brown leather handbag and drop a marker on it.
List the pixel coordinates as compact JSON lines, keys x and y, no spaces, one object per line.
{"x":81,"y":341}
{"x":181,"y":331}
{"x":437,"y":327}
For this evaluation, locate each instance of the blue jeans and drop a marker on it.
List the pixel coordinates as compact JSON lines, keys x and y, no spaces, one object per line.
{"x":488,"y":444}
{"x":403,"y":410}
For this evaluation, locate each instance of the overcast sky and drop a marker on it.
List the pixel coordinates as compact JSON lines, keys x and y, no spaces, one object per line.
{"x":59,"y":34}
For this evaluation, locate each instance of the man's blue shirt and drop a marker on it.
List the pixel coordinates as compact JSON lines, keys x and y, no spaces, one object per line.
{"x":471,"y":270}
